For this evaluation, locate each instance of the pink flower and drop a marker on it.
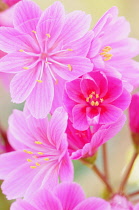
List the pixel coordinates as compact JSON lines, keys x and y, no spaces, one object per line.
{"x":83,"y":144}
{"x":41,"y":155}
{"x":4,"y":144}
{"x":43,"y":47}
{"x":134,"y":113}
{"x":95,"y":99}
{"x":11,"y":2}
{"x":112,"y":50}
{"x":65,"y":196}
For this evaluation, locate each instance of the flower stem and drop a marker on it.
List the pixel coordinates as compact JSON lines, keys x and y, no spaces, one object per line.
{"x":133,"y":194}
{"x":127,"y":174}
{"x":105,"y":161}
{"x":103,"y":178}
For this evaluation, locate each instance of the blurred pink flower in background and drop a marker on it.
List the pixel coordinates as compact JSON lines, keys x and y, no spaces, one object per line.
{"x":41,"y":154}
{"x":134,"y":113}
{"x":95,"y":99}
{"x":83,"y":144}
{"x":66,"y":196}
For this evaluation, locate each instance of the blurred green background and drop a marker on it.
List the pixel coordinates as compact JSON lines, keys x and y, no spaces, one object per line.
{"x":120,"y":147}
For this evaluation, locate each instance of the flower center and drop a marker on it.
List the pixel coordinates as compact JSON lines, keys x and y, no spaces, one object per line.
{"x":94,"y":99}
{"x":105,"y":53}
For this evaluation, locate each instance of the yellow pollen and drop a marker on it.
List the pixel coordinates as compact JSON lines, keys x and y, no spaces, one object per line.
{"x":93,"y":93}
{"x":33,"y":167}
{"x":34,"y":32}
{"x":48,"y":35}
{"x":96,"y":103}
{"x":69,"y":67}
{"x":38,"y":142}
{"x":25,"y":67}
{"x":107,"y":56}
{"x":46,"y":159}
{"x":28,"y":152}
{"x":29,"y":160}
{"x":92,"y":103}
{"x":21,"y":50}
{"x":56,"y":82}
{"x":40,"y":153}
{"x":87,"y":99}
{"x":90,"y":96}
{"x":97,"y":95}
{"x":40,"y":81}
{"x":37,"y":164}
{"x":101,"y":100}
{"x":70,"y":49}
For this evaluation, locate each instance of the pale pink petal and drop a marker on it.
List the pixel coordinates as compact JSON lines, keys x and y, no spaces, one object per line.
{"x":22,"y":205}
{"x":109,"y":114}
{"x":106,"y":132}
{"x":26,"y":16}
{"x":58,"y":126}
{"x":69,"y":194}
{"x":105,"y":19}
{"x":79,"y":66}
{"x":51,"y":23}
{"x":15,"y":143}
{"x":22,"y":85}
{"x":93,"y":204}
{"x":18,"y":180}
{"x":73,"y":90}
{"x":66,"y":171}
{"x":58,"y":91}
{"x":46,"y":200}
{"x":79,"y":117}
{"x":77,"y":24}
{"x":10,"y":161}
{"x":40,"y":100}
{"x":81,"y":46}
{"x":123,"y":101}
{"x":20,"y":131}
{"x":11,"y":40}
{"x":14,"y":63}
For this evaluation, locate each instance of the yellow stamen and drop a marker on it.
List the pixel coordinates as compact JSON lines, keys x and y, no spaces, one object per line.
{"x":70,"y":49}
{"x":87,"y":99}
{"x":29,"y":160}
{"x":69,"y":67}
{"x":34,"y":32}
{"x":21,"y":50}
{"x":46,"y":159}
{"x":40,"y":153}
{"x":28,"y":152}
{"x":97,"y":95}
{"x":90,"y":96}
{"x":101,"y":100}
{"x":48,"y":35}
{"x":33,"y":167}
{"x":93,"y":93}
{"x":37,"y":164}
{"x":56,"y":82}
{"x":96,"y":103}
{"x":25,"y":67}
{"x":92,"y":103}
{"x":38,"y":142}
{"x":40,"y":81}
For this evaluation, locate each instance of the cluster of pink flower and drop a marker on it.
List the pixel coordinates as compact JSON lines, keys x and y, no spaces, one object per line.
{"x":83,"y":78}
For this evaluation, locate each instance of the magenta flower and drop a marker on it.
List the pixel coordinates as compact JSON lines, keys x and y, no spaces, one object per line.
{"x":41,"y":154}
{"x":43,"y":47}
{"x":112,"y":50}
{"x":120,"y":202}
{"x":95,"y":99}
{"x":66,"y":196}
{"x":83,"y":144}
{"x":11,"y":2}
{"x":134,"y":113}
